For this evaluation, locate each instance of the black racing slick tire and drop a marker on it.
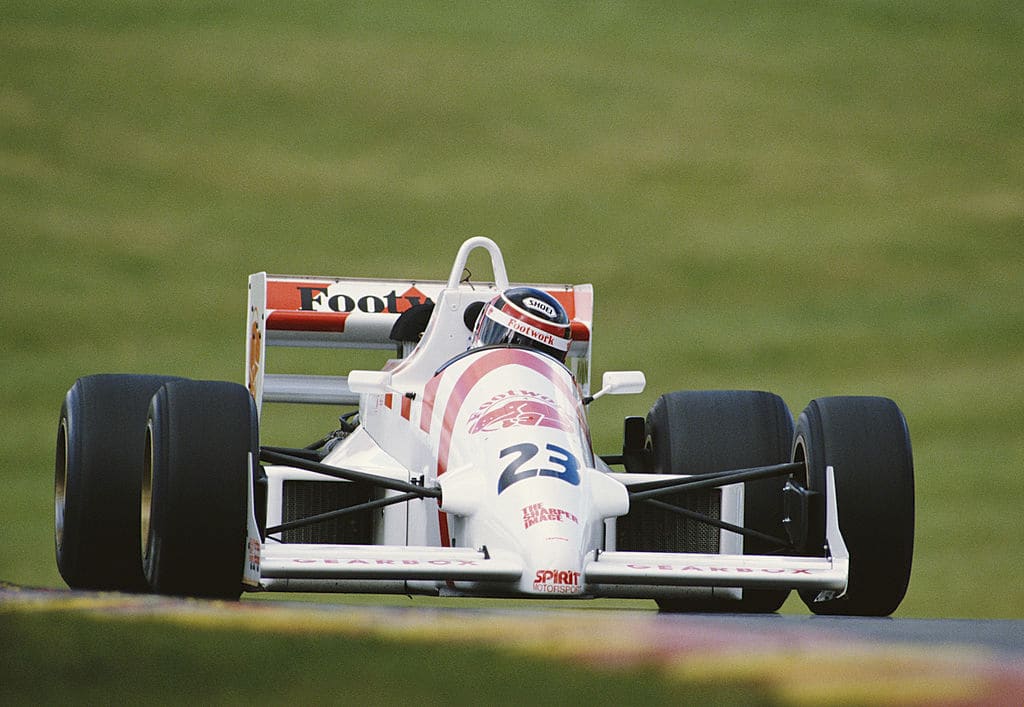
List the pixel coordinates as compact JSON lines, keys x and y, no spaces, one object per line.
{"x":867,"y":443}
{"x":201,"y":440}
{"x":98,"y":466}
{"x":699,"y":432}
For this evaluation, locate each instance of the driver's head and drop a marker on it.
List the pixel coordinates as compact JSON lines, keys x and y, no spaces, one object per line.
{"x":524,"y":316}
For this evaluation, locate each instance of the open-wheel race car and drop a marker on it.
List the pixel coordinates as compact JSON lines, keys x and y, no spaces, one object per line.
{"x":466,"y":467}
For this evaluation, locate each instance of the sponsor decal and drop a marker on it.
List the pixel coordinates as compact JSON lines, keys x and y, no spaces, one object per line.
{"x":521,"y":327}
{"x":520,"y":408}
{"x":254,"y":555}
{"x":312,"y":296}
{"x":712,"y":569}
{"x":557,"y":582}
{"x":539,"y":513}
{"x":481,"y":366}
{"x":318,"y":298}
{"x":395,"y":563}
{"x":540,"y":306}
{"x":255,"y":347}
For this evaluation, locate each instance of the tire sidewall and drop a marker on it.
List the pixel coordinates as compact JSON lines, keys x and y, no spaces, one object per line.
{"x":202,"y":434}
{"x":866,"y":442}
{"x":96,"y":481}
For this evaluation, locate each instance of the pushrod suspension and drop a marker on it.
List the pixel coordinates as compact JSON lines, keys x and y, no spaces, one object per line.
{"x":651,"y":489}
{"x":275,"y":457}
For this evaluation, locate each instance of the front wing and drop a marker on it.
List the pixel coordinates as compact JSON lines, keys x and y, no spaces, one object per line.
{"x":388,"y":568}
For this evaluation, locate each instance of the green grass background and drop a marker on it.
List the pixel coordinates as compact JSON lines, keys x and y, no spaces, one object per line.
{"x":810,"y":198}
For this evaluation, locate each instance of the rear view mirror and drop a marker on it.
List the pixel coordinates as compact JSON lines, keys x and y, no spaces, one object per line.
{"x":621,"y":383}
{"x":378,"y":382}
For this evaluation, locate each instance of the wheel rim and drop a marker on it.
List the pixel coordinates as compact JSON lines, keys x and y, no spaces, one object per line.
{"x":800,"y":455}
{"x":60,"y":483}
{"x":146,"y":491}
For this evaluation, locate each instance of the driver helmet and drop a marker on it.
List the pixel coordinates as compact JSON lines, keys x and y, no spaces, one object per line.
{"x":524,"y":316}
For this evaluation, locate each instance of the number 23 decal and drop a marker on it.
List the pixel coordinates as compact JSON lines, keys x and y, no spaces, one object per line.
{"x":568,"y":471}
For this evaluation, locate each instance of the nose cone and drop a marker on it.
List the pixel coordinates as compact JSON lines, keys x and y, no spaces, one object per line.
{"x":554,"y":535}
{"x":554,"y":569}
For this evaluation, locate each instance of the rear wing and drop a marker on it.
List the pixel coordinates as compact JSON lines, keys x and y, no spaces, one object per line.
{"x":356,"y":313}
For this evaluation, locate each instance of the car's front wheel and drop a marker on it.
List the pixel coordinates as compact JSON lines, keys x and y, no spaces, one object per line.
{"x":866,"y":442}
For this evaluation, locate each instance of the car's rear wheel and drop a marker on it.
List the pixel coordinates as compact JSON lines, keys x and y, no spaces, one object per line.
{"x":201,"y":439}
{"x":98,"y":465}
{"x":866,"y":442}
{"x":699,"y":432}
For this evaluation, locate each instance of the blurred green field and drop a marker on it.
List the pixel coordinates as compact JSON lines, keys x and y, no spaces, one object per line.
{"x":808,"y":198}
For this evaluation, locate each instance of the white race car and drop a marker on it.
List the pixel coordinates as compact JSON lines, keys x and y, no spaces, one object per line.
{"x":467,"y":467}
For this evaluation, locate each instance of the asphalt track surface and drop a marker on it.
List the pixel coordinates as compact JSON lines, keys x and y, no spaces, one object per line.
{"x":798,"y":658}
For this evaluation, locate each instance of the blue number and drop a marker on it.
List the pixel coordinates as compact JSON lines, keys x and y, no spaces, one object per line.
{"x":571,"y":468}
{"x":512,"y":473}
{"x":569,"y":472}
